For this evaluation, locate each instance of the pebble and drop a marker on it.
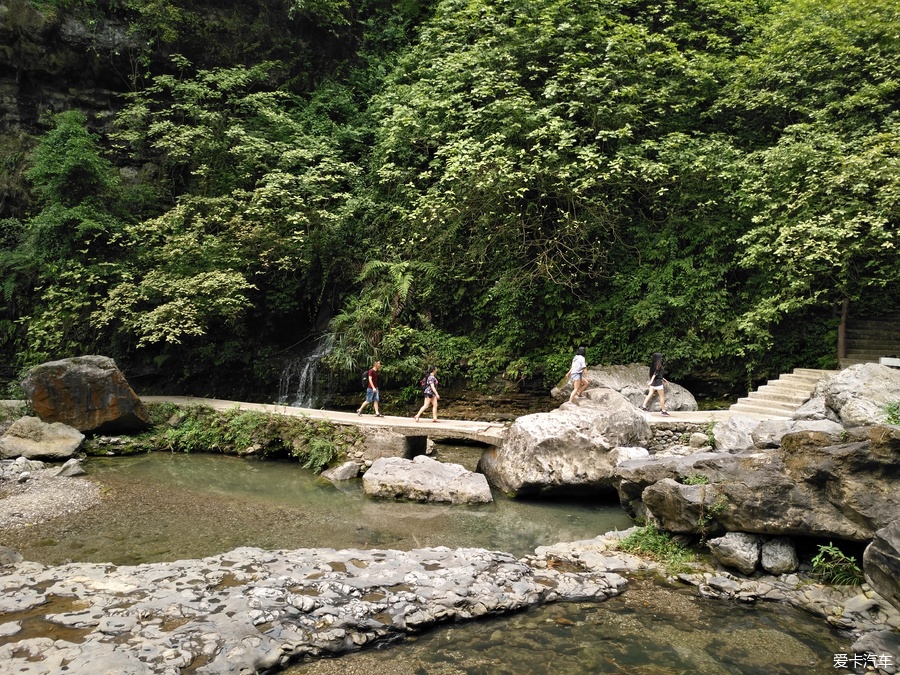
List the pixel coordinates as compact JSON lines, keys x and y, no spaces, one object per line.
{"x":33,"y":493}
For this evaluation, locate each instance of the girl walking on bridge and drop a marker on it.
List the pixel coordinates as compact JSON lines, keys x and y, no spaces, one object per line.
{"x":431,"y":395}
{"x":656,"y":384}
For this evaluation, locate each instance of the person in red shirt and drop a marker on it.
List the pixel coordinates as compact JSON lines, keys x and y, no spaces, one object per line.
{"x":372,"y":390}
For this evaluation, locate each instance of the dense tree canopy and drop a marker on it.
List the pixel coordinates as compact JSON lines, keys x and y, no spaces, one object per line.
{"x":482,"y":184}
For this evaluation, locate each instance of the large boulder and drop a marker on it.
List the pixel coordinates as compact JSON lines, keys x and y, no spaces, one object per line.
{"x":735,"y":434}
{"x":88,"y":393}
{"x":779,"y":556}
{"x":881,"y":563}
{"x":770,"y":433}
{"x":31,"y":438}
{"x":858,"y":394}
{"x":565,"y":451}
{"x":738,"y":550}
{"x":846,"y":490}
{"x":631,"y":382}
{"x":425,"y":480}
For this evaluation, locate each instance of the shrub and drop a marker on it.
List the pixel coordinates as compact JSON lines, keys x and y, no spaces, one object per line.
{"x":832,"y":566}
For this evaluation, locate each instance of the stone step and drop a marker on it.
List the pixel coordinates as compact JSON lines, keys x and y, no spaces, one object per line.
{"x":847,"y":362}
{"x":780,"y":398}
{"x":873,"y":344}
{"x":869,"y":357}
{"x":794,"y":382}
{"x":780,"y":407}
{"x":758,"y":410}
{"x":768,"y":393}
{"x":873,"y":324}
{"x":882,"y":333}
{"x":816,"y":372}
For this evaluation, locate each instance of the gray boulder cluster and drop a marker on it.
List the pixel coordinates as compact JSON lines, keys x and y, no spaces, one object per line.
{"x":631,"y":382}
{"x":251,"y":610}
{"x":71,"y":398}
{"x":748,"y":487}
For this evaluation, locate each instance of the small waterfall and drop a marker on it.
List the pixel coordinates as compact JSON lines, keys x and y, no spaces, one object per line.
{"x":299,"y":384}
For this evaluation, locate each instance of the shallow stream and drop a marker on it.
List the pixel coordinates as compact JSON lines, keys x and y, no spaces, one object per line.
{"x":161,"y":507}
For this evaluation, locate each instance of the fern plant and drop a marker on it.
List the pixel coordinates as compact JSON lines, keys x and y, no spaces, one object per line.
{"x":832,"y":566}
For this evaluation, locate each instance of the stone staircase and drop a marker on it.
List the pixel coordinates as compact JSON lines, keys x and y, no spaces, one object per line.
{"x":867,"y":340}
{"x":778,"y":399}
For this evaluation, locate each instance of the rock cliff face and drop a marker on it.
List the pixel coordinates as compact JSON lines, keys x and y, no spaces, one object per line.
{"x":50,"y":63}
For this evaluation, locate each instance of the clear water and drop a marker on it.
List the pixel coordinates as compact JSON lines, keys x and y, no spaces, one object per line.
{"x":650,"y":629}
{"x":162,"y":507}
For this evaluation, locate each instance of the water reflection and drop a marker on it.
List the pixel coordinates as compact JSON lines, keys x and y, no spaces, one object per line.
{"x":164,"y":506}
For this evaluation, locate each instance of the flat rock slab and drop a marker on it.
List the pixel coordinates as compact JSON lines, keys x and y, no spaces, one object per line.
{"x":426,"y":480}
{"x":250,"y":610}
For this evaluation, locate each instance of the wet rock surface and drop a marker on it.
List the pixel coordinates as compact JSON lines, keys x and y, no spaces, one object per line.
{"x":249,"y":610}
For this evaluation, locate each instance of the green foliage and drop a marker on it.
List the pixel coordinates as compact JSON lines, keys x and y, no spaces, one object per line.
{"x":660,"y":546}
{"x":832,"y":566}
{"x":695,"y":479}
{"x":822,"y":194}
{"x":250,"y":244}
{"x":482,"y":185}
{"x":710,"y":431}
{"x":320,"y":452}
{"x":64,"y":256}
{"x":315,"y":443}
{"x":892,"y":412}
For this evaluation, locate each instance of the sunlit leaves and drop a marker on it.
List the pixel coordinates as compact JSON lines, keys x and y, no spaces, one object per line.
{"x":168,"y":308}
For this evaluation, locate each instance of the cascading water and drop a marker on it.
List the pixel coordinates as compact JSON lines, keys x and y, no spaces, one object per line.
{"x":299,"y":384}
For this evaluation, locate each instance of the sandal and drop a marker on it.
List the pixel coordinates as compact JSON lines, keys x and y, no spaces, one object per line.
{"x":378,"y":415}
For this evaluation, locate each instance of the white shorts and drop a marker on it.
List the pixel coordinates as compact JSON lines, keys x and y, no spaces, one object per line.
{"x":659,"y":388}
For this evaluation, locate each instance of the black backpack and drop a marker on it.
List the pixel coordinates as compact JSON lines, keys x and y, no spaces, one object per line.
{"x":423,"y":384}
{"x":365,"y":379}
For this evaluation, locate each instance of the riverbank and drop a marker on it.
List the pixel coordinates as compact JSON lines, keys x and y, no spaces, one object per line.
{"x":32,"y":493}
{"x":262,"y":573}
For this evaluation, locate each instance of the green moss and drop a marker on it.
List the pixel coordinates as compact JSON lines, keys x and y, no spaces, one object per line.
{"x":651,"y":543}
{"x":314,"y":443}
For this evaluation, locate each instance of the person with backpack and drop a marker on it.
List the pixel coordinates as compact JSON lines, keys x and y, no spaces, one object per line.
{"x":370,"y":378}
{"x":657,"y":384}
{"x":577,"y":374}
{"x":429,"y":390}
